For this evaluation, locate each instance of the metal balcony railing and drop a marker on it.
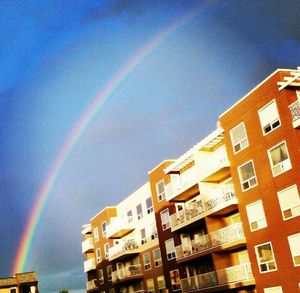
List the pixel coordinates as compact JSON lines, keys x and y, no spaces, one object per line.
{"x":127,"y":272}
{"x":295,"y":112}
{"x":123,"y":247}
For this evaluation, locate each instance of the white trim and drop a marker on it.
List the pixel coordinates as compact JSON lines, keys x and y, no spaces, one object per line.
{"x":241,"y":182}
{"x":265,"y":262}
{"x":298,"y":255}
{"x":239,"y":143}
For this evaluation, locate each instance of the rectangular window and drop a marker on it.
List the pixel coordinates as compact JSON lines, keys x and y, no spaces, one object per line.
{"x":101,"y":276}
{"x":104,"y":225}
{"x":265,"y":258}
{"x":239,"y":139}
{"x":161,"y":283}
{"x":175,"y":280}
{"x":247,"y":175}
{"x":106,"y":248}
{"x":139,"y":211}
{"x":143,"y":236}
{"x":96,"y":234}
{"x":149,"y":205}
{"x":150,"y":285}
{"x":294,"y":242}
{"x":157,"y":257}
{"x":277,"y":289}
{"x":269,"y":117}
{"x":109,"y":273}
{"x":279,"y":159}
{"x":154,"y":232}
{"x":289,"y":201}
{"x":98,"y":255}
{"x":256,"y":215}
{"x":160,"y":189}
{"x":147,"y":261}
{"x":170,"y":248}
{"x":165,"y":219}
{"x":129,"y":215}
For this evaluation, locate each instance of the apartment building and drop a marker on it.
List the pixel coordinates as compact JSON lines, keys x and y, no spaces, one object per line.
{"x":20,"y":283}
{"x":223,"y":217}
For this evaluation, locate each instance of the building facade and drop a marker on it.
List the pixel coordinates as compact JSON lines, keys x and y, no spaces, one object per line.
{"x":223,"y":217}
{"x":20,"y":283}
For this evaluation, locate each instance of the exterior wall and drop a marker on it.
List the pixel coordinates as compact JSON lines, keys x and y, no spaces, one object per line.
{"x":277,"y":230}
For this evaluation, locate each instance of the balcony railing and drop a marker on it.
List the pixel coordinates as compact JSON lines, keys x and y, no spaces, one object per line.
{"x":124,"y":247}
{"x":93,"y":284}
{"x":87,"y":245}
{"x":210,"y":168}
{"x":214,"y":201}
{"x":119,"y":227}
{"x":295,"y":111}
{"x":174,"y":190}
{"x":234,"y":274}
{"x":89,"y":265}
{"x":212,"y":240}
{"x":127,"y":272}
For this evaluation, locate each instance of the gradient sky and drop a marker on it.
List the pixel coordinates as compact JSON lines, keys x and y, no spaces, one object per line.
{"x":57,"y":55}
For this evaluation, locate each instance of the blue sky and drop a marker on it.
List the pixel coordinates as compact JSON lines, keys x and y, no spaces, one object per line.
{"x":56,"y":56}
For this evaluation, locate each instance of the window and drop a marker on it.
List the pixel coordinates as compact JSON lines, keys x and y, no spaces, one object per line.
{"x":129,"y":215}
{"x":160,"y":189}
{"x":170,"y":248}
{"x":269,"y":117}
{"x":106,"y":248}
{"x":14,"y":290}
{"x":147,"y":261}
{"x":149,"y":205}
{"x":112,"y":290}
{"x":101,"y":276}
{"x":96,"y":234}
{"x":175,"y":280}
{"x":143,"y":236}
{"x":265,"y":258}
{"x":273,"y":290}
{"x":139,"y":211}
{"x":154,"y":232}
{"x":150,"y":285}
{"x":289,"y":201}
{"x":157,"y":257}
{"x":239,"y":138}
{"x":161,"y":283}
{"x":247,"y":175}
{"x":294,"y":242}
{"x":165,"y":219}
{"x":279,"y":159}
{"x":104,"y":225}
{"x":98,"y":255}
{"x":256,"y":215}
{"x":109,"y":273}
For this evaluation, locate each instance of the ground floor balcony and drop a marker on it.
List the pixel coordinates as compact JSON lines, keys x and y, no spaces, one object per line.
{"x":129,"y":273}
{"x":218,"y":201}
{"x":92,"y":285}
{"x":87,"y":245}
{"x":220,"y":280}
{"x":123,"y":250}
{"x":295,"y":112}
{"x":89,"y":265}
{"x":228,"y":238}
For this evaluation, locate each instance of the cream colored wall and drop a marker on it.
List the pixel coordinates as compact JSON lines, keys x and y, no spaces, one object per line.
{"x":7,"y":290}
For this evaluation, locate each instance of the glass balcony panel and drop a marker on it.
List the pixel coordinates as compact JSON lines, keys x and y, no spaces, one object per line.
{"x":295,"y":112}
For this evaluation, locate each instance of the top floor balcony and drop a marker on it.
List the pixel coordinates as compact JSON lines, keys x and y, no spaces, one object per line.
{"x":87,"y":245}
{"x":217,"y":201}
{"x":228,"y":278}
{"x":85,"y":229}
{"x":215,"y":167}
{"x":119,"y":227}
{"x":295,"y":112}
{"x":132,"y":272}
{"x":125,"y":249}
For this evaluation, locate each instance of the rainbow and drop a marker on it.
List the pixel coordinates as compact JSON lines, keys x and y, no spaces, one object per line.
{"x":23,"y":251}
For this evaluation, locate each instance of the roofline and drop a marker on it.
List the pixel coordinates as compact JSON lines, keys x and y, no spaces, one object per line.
{"x":105,"y":208}
{"x":158,"y":165}
{"x":254,"y":89}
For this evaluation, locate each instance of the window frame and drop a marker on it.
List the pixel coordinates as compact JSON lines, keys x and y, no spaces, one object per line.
{"x":265,"y":224}
{"x":157,"y":261}
{"x":291,"y":207}
{"x":149,"y":209}
{"x":177,"y":286}
{"x":141,"y":214}
{"x":98,"y":257}
{"x":101,"y":280}
{"x":265,"y":262}
{"x":161,"y":196}
{"x":109,"y":270}
{"x":96,"y":234}
{"x":165,"y":225}
{"x":269,"y":290}
{"x":248,"y":180}
{"x":292,"y":252}
{"x":147,"y":266}
{"x":240,"y":142}
{"x":172,"y":254}
{"x":104,"y":231}
{"x":272,"y":128}
{"x":106,"y":250}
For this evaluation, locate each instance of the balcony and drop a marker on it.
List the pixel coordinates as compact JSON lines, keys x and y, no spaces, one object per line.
{"x":87,"y":245}
{"x":228,"y":278}
{"x":89,"y":265}
{"x":92,"y":285}
{"x":295,"y":112}
{"x":120,"y":227}
{"x":217,"y":201}
{"x":87,"y":228}
{"x":132,"y":272}
{"x":185,"y":188}
{"x":215,"y":167}
{"x":230,"y":237}
{"x":123,"y":250}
